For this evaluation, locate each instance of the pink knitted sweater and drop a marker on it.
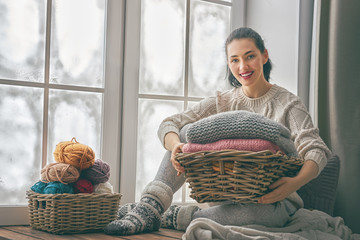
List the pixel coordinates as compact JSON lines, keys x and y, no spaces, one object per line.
{"x":253,"y":145}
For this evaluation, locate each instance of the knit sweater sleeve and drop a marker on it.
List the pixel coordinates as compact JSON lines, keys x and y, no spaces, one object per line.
{"x":174,"y":123}
{"x":305,"y":135}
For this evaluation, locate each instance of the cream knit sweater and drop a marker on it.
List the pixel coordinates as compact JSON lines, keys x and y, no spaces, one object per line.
{"x":277,"y":104}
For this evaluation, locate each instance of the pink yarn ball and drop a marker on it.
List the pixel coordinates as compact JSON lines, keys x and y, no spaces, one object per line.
{"x":98,"y":173}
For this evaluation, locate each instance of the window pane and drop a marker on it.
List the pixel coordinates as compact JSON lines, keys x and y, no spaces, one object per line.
{"x":77,"y":42}
{"x":22,"y":41}
{"x":209,"y":28}
{"x":162,"y":47}
{"x":150,"y":152}
{"x":74,"y":114}
{"x":21,"y":141}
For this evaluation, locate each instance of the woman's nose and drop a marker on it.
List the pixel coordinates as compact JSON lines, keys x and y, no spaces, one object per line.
{"x":242,"y":66}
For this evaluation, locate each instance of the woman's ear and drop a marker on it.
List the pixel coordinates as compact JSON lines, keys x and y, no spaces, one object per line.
{"x":266,"y":56}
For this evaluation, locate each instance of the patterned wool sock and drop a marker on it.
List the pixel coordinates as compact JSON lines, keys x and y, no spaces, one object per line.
{"x":170,"y":217}
{"x":146,"y":216}
{"x":124,"y":209}
{"x":178,"y":217}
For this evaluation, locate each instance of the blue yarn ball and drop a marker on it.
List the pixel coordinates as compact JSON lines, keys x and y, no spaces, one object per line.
{"x":39,"y":187}
{"x":58,"y":187}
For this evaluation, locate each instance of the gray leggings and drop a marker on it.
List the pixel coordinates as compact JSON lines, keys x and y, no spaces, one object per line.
{"x":227,"y":213}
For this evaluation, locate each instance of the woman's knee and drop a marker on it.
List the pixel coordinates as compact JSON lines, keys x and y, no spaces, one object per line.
{"x":271,"y":215}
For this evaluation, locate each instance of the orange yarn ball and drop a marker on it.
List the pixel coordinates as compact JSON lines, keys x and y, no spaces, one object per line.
{"x":75,"y":154}
{"x":59,"y":172}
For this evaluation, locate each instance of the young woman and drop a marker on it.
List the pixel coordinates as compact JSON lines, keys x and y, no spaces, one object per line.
{"x":249,"y":70}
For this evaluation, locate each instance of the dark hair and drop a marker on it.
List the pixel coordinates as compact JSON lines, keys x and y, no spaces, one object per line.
{"x":245,"y":32}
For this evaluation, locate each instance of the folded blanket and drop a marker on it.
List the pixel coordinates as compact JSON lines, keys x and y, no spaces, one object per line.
{"x":253,"y":145}
{"x":240,"y":125}
{"x":304,"y":224}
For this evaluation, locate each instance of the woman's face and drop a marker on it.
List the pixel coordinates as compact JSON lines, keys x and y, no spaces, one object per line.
{"x":246,"y":62}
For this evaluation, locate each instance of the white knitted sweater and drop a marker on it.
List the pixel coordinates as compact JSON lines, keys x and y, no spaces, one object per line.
{"x":277,"y":104}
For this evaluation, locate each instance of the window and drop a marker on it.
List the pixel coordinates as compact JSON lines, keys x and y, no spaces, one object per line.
{"x":181,"y":60}
{"x":50,"y":71}
{"x":55,"y":85}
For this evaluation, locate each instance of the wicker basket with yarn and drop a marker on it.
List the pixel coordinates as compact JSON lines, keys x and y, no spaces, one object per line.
{"x":63,"y":202}
{"x":239,"y":176}
{"x":72,"y":213}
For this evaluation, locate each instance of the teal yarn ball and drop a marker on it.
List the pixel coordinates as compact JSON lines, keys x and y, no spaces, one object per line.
{"x":39,"y":187}
{"x":58,"y":188}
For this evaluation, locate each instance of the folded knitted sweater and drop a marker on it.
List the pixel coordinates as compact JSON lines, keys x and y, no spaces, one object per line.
{"x":241,"y":125}
{"x":253,"y":145}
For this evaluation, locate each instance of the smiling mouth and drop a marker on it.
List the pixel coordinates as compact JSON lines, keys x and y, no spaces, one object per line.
{"x":246,"y":75}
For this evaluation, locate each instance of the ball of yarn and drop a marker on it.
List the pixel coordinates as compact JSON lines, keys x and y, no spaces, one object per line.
{"x":58,"y":188}
{"x":39,"y":187}
{"x":59,"y":172}
{"x":105,"y":187}
{"x":98,"y":173}
{"x":74,"y":153}
{"x":83,"y":186}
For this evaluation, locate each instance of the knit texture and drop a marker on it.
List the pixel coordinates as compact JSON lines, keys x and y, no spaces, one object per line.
{"x":125,"y":209}
{"x":168,"y":220}
{"x":254,"y":145}
{"x":240,"y":125}
{"x":175,"y":217}
{"x":278,"y":104}
{"x":146,"y":216}
{"x":178,"y":216}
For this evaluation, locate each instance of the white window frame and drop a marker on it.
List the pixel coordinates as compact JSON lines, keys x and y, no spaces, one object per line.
{"x":111,"y":122}
{"x":131,"y":88}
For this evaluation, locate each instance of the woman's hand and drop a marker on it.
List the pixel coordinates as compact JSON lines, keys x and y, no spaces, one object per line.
{"x":286,"y":185}
{"x":282,"y":188}
{"x":177,"y":149}
{"x":173,"y":144}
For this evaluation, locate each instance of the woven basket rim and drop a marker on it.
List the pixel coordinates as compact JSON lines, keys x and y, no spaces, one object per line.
{"x":242,"y":156}
{"x":242,"y":152}
{"x":31,"y":192}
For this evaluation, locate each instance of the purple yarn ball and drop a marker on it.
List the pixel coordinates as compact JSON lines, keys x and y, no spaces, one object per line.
{"x":97,"y":173}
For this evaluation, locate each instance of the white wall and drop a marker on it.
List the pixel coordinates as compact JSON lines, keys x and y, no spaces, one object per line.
{"x":277,"y":21}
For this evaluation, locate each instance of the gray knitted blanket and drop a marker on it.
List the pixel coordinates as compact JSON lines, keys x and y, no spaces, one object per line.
{"x":241,"y":125}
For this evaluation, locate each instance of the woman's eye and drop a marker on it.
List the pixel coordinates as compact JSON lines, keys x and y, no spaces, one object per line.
{"x":250,"y":57}
{"x":234,"y":61}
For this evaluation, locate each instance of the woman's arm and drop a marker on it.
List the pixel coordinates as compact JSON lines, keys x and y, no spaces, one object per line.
{"x":173,"y":144}
{"x":174,"y":123}
{"x":286,"y":185}
{"x":309,"y":145}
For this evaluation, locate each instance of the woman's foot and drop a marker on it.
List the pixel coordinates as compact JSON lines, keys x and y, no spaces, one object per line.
{"x":170,"y":219}
{"x":124,"y":209}
{"x":178,"y":216}
{"x":146,"y":215}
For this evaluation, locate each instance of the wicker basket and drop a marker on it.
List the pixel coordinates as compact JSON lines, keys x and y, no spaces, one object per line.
{"x":239,"y":176}
{"x":72,"y":213}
